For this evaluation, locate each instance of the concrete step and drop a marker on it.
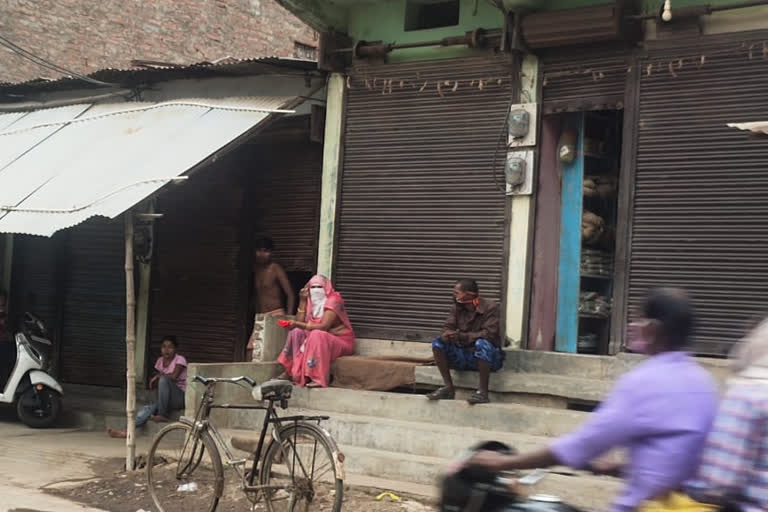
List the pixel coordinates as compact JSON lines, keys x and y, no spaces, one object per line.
{"x":514,"y":418}
{"x":593,"y":367}
{"x":405,"y":436}
{"x":510,"y":381}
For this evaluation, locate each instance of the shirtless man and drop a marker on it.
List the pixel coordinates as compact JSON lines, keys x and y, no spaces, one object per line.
{"x":270,"y":284}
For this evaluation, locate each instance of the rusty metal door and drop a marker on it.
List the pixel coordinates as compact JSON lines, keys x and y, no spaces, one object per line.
{"x":197,"y":277}
{"x":700,"y":219}
{"x":420,"y":201}
{"x":93,"y":311}
{"x":288,"y":183}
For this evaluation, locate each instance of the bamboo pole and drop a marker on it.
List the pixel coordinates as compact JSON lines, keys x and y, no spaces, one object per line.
{"x":130,"y":347}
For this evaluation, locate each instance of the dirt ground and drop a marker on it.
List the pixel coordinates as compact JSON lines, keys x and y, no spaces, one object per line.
{"x":118,"y":491}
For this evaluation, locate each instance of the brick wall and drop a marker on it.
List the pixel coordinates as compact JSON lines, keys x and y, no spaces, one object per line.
{"x":87,"y":35}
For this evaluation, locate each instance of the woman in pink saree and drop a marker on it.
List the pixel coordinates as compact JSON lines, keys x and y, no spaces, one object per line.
{"x":325,"y":335}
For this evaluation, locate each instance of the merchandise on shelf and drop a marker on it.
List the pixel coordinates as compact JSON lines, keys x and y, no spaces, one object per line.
{"x":603,"y":187}
{"x":596,"y":263}
{"x":588,"y":342}
{"x":592,"y":303}
{"x":592,"y":227}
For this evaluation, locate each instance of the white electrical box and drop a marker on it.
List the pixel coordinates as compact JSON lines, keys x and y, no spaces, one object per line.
{"x":523,"y":185}
{"x":524,"y":112}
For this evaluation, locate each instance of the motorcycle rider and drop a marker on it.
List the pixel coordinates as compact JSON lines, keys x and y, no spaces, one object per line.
{"x":661,"y":412}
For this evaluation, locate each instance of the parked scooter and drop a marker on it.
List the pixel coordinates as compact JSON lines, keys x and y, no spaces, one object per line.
{"x":476,"y":490}
{"x":36,"y":394}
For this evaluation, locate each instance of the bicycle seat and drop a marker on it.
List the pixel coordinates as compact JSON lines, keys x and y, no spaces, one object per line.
{"x":273,"y":390}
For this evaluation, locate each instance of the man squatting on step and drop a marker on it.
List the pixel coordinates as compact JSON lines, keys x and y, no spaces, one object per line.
{"x":469,"y":341}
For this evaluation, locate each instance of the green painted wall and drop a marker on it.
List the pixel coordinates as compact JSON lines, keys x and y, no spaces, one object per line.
{"x":385,"y":21}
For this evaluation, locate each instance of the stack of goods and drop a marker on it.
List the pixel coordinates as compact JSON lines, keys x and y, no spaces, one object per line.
{"x":603,"y":187}
{"x":588,"y":343}
{"x":592,"y":303}
{"x":596,"y":263}
{"x":592,"y":227}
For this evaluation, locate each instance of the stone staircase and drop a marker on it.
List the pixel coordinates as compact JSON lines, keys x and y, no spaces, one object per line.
{"x":407,"y":440}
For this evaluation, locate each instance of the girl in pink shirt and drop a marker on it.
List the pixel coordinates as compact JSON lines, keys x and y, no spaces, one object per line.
{"x":171,"y":383}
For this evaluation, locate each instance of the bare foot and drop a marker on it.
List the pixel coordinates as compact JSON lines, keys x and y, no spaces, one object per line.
{"x":117,"y":433}
{"x":159,"y":419}
{"x":313,"y":384}
{"x":283,"y":376}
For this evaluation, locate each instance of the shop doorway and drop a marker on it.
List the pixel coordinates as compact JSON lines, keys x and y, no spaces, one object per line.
{"x":575,"y":239}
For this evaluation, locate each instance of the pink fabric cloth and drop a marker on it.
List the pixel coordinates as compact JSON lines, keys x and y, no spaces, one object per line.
{"x":308,"y":355}
{"x":178,"y":360}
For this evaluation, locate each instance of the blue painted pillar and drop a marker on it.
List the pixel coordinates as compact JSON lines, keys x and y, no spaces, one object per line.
{"x":568,"y":270}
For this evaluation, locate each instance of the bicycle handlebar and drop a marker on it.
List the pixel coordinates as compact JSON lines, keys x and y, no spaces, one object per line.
{"x":232,"y":380}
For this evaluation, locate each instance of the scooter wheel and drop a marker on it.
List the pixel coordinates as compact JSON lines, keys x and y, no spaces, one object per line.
{"x":38,"y":409}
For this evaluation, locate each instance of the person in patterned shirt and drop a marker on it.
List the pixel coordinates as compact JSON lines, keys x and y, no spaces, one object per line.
{"x":734,"y":468}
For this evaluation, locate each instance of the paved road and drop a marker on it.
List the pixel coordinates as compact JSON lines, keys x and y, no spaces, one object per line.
{"x":33,"y":459}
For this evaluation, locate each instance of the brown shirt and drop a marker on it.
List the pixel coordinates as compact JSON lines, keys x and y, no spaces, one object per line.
{"x":483,"y":322}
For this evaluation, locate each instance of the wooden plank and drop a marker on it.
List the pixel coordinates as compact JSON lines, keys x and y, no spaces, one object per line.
{"x":569,"y":282}
{"x":546,"y":244}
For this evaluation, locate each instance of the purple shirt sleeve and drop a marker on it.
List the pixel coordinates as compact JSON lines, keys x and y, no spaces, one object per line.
{"x":610,"y":426}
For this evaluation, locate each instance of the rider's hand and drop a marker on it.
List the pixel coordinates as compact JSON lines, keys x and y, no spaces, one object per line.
{"x":153,"y":382}
{"x":606,"y":467}
{"x":492,"y":461}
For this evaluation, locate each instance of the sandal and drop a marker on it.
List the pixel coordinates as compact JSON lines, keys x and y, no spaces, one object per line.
{"x":478,"y":398}
{"x":443,"y":393}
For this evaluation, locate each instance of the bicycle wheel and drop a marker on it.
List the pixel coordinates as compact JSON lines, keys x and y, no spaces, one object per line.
{"x":184,"y":472}
{"x":302,"y":475}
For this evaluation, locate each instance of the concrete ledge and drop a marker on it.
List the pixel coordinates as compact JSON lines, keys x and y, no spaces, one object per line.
{"x":510,"y":381}
{"x":392,"y":348}
{"x":593,"y":367}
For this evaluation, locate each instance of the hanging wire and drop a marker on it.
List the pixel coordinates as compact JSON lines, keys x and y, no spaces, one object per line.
{"x":40,"y":61}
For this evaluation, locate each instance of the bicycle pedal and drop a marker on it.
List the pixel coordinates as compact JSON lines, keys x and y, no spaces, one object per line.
{"x":239,"y":462}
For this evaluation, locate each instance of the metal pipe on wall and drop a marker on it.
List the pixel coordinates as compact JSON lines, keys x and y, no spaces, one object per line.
{"x":700,"y":10}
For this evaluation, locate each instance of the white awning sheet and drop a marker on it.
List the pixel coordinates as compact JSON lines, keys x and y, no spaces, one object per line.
{"x":61,"y":166}
{"x":760,"y":127}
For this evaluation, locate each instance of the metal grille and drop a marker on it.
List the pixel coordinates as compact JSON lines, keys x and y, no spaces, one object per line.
{"x":700,"y":216}
{"x":584,"y":78}
{"x":93,"y":320}
{"x":419,"y":207}
{"x":197,"y":283}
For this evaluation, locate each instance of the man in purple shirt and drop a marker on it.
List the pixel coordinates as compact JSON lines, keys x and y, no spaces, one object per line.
{"x":660,"y":412}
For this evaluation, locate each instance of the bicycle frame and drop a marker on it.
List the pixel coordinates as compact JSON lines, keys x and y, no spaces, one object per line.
{"x":201,"y":422}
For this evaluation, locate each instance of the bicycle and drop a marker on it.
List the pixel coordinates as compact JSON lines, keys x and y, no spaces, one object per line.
{"x":188,"y":475}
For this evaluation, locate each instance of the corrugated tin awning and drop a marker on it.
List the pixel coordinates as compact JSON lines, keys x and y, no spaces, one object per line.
{"x":759,"y":127}
{"x":61,"y":166}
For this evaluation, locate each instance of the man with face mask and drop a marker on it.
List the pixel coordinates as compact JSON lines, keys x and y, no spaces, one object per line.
{"x":469,"y":341}
{"x":660,"y":412}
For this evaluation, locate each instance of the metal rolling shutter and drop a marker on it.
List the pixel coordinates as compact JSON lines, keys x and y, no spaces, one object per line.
{"x":700,"y":216}
{"x":93,"y":330}
{"x":419,"y":207}
{"x":197,"y":283}
{"x":33,"y":278}
{"x":288,"y":185}
{"x":584,"y":78}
